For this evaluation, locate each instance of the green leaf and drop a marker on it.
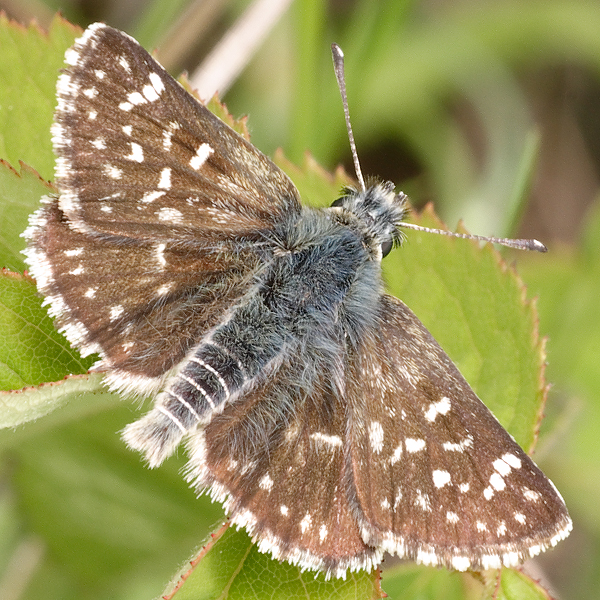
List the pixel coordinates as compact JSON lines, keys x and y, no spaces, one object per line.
{"x":409,"y":581}
{"x":512,"y":584}
{"x":22,"y":405}
{"x":231,"y":566}
{"x":29,"y":63}
{"x":31,"y":350}
{"x":20,"y":195}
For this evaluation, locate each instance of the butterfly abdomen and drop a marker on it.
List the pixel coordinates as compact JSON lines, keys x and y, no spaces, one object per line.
{"x":222,"y":366}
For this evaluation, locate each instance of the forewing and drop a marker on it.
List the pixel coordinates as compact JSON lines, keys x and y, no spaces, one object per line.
{"x":140,"y":157}
{"x":435,"y":477}
{"x":275,"y":459}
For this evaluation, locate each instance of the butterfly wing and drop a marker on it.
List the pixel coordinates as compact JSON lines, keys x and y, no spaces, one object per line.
{"x":163,"y":215}
{"x":140,"y":305}
{"x":410,"y":461}
{"x":139,"y":156}
{"x":276,"y":460}
{"x":434,"y":476}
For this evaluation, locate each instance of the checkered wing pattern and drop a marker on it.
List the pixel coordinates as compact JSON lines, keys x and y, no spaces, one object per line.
{"x":434,"y":476}
{"x":160,"y":222}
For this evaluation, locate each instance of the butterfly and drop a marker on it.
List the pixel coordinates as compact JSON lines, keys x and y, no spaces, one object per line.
{"x":318,"y":409}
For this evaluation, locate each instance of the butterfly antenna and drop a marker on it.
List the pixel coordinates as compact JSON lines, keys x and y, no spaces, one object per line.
{"x":338,"y":67}
{"x":534,"y":245}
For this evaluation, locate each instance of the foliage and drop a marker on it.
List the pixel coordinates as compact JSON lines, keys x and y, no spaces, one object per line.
{"x":84,"y":515}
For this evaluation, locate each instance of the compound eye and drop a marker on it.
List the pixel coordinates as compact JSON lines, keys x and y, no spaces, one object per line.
{"x":386,"y":248}
{"x":338,"y":202}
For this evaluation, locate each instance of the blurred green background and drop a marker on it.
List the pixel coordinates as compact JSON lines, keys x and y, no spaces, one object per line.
{"x":491,"y":109}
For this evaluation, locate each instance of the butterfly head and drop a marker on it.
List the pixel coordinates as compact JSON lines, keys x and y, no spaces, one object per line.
{"x":377,"y":211}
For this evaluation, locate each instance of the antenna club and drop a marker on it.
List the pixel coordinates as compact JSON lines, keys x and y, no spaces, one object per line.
{"x":337,"y":52}
{"x":538,"y":246}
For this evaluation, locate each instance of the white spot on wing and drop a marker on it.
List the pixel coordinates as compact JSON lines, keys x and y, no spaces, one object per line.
{"x":376,"y":436}
{"x":266,"y":483}
{"x":72,"y":57}
{"x":427,"y":557}
{"x":335,"y":441}
{"x":397,"y":455}
{"x":510,"y":559}
{"x":461,"y":563}
{"x":167,"y":142}
{"x":202,"y":153}
{"x":305,"y":523}
{"x":438,"y":408}
{"x":502,"y":467}
{"x":322,"y":533}
{"x":172,"y":215}
{"x":440,"y":478}
{"x":531,"y":495}
{"x":512,"y":460}
{"x":113,"y":172}
{"x":137,"y":154}
{"x":165,"y":179}
{"x":123,"y":62}
{"x":157,"y":82}
{"x":460,"y":446}
{"x":414,"y":444}
{"x":116,"y":312}
{"x":151,"y":196}
{"x":150,"y":93}
{"x":497,"y":482}
{"x":136,"y":98}
{"x":490,"y":561}
{"x":422,"y":500}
